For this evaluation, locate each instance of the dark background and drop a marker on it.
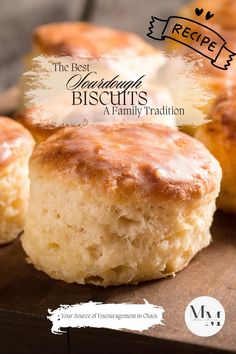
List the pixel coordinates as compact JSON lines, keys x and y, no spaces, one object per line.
{"x":18,"y":18}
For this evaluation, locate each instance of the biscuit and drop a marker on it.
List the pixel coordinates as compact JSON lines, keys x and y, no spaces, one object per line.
{"x":223,"y":10}
{"x":219,"y":136}
{"x":81,"y":38}
{"x":223,"y":22}
{"x":39,"y":132}
{"x":16,"y":145}
{"x":119,"y":204}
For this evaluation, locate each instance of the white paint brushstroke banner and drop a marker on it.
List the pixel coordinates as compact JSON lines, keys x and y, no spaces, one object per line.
{"x":168,"y":81}
{"x":136,"y":317}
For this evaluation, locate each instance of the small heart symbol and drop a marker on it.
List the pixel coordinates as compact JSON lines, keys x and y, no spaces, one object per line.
{"x":209,"y":15}
{"x":198,"y":12}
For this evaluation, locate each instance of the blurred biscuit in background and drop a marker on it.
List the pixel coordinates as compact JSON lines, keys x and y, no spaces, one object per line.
{"x":219,"y":136}
{"x":39,"y":132}
{"x":16,"y":145}
{"x":82,"y":38}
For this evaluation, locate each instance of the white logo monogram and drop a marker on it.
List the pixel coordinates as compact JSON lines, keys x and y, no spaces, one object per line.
{"x":204,"y":316}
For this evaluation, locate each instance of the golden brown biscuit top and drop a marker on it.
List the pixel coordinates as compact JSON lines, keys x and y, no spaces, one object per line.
{"x":223,"y":114}
{"x":226,"y":14}
{"x":81,"y":38}
{"x":15,"y":140}
{"x":216,"y":7}
{"x":148,"y":158}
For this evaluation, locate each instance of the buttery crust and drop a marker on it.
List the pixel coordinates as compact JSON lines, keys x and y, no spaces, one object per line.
{"x":226,"y":15}
{"x":146,"y":158}
{"x":223,"y":116}
{"x":219,"y":136}
{"x":220,"y":9}
{"x":81,"y":38}
{"x":15,"y":141}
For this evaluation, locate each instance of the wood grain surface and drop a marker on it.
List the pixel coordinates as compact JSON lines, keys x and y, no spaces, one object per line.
{"x":26,"y":294}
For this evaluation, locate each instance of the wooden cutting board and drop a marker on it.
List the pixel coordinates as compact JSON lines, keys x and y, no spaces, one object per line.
{"x":26,"y":294}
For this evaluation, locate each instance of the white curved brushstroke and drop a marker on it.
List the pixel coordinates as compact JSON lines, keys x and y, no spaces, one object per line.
{"x":136,"y":317}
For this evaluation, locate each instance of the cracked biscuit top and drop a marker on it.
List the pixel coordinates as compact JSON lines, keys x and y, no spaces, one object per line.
{"x":129,"y":158}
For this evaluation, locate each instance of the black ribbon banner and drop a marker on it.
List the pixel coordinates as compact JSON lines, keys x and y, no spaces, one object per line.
{"x":199,"y":37}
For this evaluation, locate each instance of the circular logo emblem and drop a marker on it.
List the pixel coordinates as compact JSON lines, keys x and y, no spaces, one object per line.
{"x":204,"y":316}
